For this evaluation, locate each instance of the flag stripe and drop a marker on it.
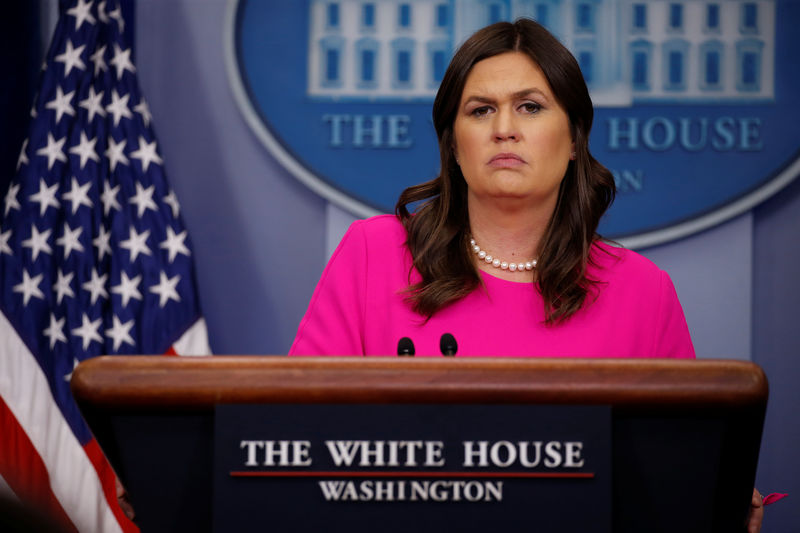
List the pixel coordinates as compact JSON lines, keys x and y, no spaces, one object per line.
{"x":194,"y":340}
{"x":70,"y":473}
{"x":24,"y":470}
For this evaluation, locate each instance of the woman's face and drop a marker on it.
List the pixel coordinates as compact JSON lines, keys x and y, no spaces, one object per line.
{"x":512,"y":138}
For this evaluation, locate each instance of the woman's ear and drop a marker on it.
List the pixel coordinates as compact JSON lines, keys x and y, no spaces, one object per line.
{"x":572,"y":154}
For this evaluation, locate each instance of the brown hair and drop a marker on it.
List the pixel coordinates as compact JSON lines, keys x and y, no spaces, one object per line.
{"x":438,"y":232}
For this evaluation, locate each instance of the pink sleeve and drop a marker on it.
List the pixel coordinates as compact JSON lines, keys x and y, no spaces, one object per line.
{"x":672,"y":336}
{"x":333,"y":323}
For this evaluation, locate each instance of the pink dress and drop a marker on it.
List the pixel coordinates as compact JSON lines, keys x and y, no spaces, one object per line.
{"x":358,"y":308}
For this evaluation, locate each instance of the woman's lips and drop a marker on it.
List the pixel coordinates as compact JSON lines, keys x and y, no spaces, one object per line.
{"x":506,"y":160}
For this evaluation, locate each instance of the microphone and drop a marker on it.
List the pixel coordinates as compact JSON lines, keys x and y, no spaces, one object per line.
{"x":448,"y":345}
{"x":405,"y":347}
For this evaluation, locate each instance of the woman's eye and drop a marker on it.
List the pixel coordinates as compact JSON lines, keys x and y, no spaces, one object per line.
{"x":481,"y":111}
{"x":531,"y":107}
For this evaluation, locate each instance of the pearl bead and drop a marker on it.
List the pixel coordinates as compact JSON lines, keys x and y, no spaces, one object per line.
{"x":497,"y":263}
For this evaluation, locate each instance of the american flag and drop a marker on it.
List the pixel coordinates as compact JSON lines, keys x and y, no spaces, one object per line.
{"x":94,"y":259}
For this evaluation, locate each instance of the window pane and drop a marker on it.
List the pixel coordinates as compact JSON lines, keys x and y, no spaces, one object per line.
{"x":749,"y":68}
{"x":333,"y":15}
{"x":712,"y":68}
{"x":713,"y":16}
{"x":584,"y":16}
{"x":367,"y":65}
{"x":585,"y":60}
{"x":441,"y":15}
{"x":403,"y":66}
{"x":675,"y":15}
{"x":405,"y":15}
{"x":750,"y":15}
{"x":332,"y":65}
{"x":675,"y":67}
{"x":369,"y":15}
{"x":640,"y":69}
{"x":439,"y":65}
{"x":541,"y":14}
{"x":640,"y":16}
{"x":494,"y":13}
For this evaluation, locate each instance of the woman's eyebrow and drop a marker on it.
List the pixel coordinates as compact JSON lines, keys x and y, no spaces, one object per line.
{"x":514,"y":96}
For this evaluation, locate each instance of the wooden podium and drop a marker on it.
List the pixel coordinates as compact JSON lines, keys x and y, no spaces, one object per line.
{"x":685,"y":435}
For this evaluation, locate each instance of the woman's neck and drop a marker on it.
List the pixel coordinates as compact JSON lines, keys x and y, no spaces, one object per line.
{"x":510,"y":235}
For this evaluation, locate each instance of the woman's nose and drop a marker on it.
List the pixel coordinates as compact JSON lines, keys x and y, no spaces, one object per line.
{"x":505,"y":127}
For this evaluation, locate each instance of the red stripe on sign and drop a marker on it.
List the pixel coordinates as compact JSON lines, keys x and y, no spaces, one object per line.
{"x":24,"y":471}
{"x":402,"y":474}
{"x":108,"y":480}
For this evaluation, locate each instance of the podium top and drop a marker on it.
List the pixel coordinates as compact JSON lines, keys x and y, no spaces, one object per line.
{"x":114,"y":382}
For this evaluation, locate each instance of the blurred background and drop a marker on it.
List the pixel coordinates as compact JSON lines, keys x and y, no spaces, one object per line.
{"x":261,"y":236}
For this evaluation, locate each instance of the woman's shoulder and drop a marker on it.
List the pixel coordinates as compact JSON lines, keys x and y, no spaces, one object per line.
{"x":380,"y":230}
{"x":608,"y":260}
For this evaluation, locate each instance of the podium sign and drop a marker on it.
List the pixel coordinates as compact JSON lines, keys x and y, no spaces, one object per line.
{"x":412,"y":468}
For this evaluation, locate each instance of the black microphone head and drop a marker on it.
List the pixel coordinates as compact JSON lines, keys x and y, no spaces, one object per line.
{"x":405,"y":346}
{"x":448,"y":345}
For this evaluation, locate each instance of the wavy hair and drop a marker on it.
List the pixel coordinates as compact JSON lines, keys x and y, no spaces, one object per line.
{"x":438,"y":231}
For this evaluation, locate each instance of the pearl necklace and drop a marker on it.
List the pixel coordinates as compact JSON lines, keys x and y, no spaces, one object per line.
{"x":497,"y":263}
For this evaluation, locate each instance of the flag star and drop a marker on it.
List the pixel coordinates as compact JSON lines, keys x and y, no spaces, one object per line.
{"x":63,"y":286}
{"x":117,"y":15}
{"x":71,"y":58}
{"x":102,"y":242}
{"x":85,"y":149}
{"x":93,"y":104}
{"x":23,"y":155}
{"x":120,"y":333}
{"x":128,"y":288}
{"x":97,"y":57}
{"x":96,"y":286}
{"x":11,"y":201}
{"x":116,"y":153}
{"x":174,"y":244}
{"x":30,"y":287}
{"x":56,"y":331}
{"x":4,"y":247}
{"x":172,"y":201}
{"x":166,"y":289}
{"x":61,"y":104}
{"x":79,"y":194}
{"x":109,"y":198}
{"x":122,"y":60}
{"x":146,"y":154}
{"x":54,"y":150}
{"x":70,"y":240}
{"x":119,"y":107}
{"x":143,"y":199}
{"x":144,"y":111}
{"x":38,"y":242}
{"x":46,"y":196}
{"x":81,"y":13}
{"x":75,"y":363}
{"x":136,"y":243}
{"x":101,"y":12}
{"x":88,"y":331}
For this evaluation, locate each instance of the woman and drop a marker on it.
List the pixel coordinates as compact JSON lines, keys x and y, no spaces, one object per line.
{"x":517,"y":182}
{"x":503,"y":253}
